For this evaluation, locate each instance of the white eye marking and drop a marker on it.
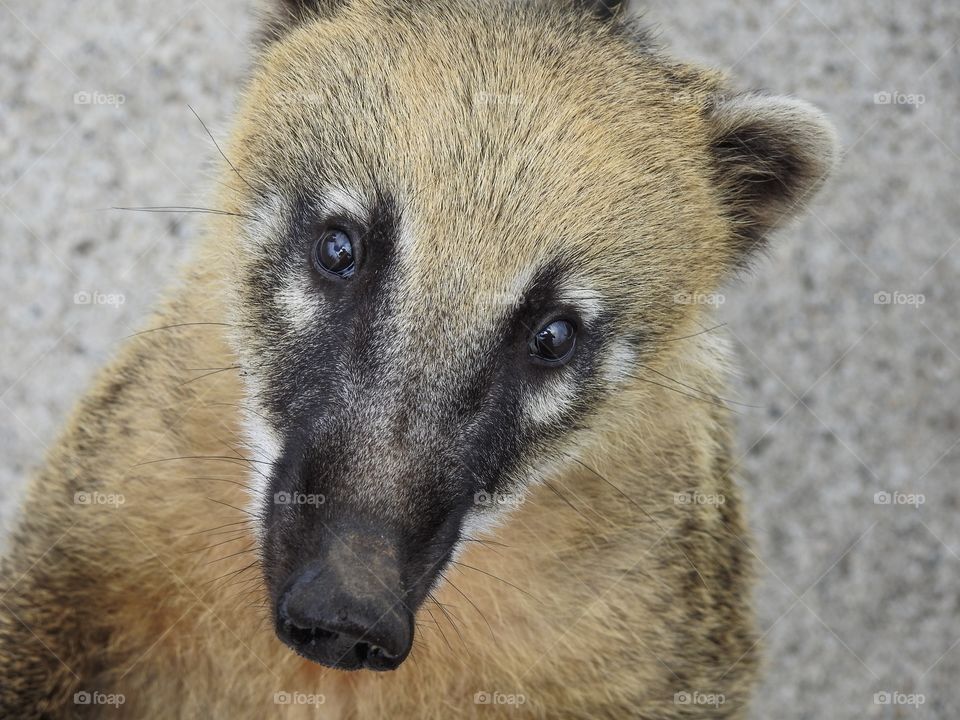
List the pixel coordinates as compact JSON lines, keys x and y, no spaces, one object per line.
{"x":269,"y":220}
{"x":584,"y":298}
{"x":300,"y":305}
{"x":619,"y":362}
{"x":513,"y":296}
{"x":343,"y":201}
{"x":551,"y":400}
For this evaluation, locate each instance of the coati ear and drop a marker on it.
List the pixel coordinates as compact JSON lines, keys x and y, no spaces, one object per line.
{"x":771,"y":156}
{"x":280,"y":16}
{"x":605,"y":9}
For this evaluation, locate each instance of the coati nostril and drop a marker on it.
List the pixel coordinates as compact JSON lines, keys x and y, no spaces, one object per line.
{"x":363,"y":627}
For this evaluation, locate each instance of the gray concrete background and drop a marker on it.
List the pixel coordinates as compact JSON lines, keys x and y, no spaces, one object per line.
{"x":858,"y":397}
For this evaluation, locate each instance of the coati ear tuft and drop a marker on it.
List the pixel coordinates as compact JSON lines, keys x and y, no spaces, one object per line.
{"x":280,"y":16}
{"x":771,"y":156}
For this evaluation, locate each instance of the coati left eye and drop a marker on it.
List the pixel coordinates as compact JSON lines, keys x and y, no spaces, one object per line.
{"x":333,"y":253}
{"x":554,"y":343}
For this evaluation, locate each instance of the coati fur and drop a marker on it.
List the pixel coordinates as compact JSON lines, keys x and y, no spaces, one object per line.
{"x":564,"y":539}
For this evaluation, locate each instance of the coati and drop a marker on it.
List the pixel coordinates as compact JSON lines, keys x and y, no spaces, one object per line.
{"x":460,"y":415}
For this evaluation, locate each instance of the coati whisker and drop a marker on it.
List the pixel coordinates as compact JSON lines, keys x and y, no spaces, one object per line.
{"x":183,"y":210}
{"x":473,"y":605}
{"x":500,"y":579}
{"x":179,"y":325}
{"x":228,"y":575}
{"x":573,"y":507}
{"x":447,"y":613}
{"x":243,"y":462}
{"x":246,"y":551}
{"x":219,"y":150}
{"x":698,"y":398}
{"x":220,"y":502}
{"x":723,"y":400}
{"x":666,"y":534}
{"x":212,"y":372}
{"x":485,"y":544}
{"x":223,"y":542}
{"x":243,"y":485}
{"x":219,"y":527}
{"x":604,"y":518}
{"x":240,"y":406}
{"x":237,"y":533}
{"x":697,"y":334}
{"x":437,"y":625}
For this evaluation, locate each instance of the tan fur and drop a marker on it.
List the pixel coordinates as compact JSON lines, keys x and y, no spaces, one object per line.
{"x":610,"y":600}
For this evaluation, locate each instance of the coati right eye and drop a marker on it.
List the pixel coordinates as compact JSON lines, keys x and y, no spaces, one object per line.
{"x":554,"y":343}
{"x":333,"y":253}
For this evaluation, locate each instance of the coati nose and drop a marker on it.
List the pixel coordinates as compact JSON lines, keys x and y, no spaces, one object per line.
{"x":350,"y":625}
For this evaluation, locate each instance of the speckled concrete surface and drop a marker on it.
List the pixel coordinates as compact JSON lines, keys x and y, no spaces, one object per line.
{"x":858,"y":397}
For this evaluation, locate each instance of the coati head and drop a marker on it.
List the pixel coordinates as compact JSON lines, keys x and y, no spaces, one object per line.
{"x":460,"y":227}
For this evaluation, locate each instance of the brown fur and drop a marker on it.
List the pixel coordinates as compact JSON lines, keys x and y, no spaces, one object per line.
{"x":610,"y":597}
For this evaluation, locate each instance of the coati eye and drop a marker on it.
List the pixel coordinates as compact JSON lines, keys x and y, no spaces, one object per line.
{"x":554,"y":343}
{"x":333,"y":253}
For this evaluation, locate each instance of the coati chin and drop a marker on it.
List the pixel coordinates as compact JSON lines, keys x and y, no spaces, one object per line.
{"x":462,"y":450}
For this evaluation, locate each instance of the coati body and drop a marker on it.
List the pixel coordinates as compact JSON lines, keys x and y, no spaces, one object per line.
{"x":462,"y":384}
